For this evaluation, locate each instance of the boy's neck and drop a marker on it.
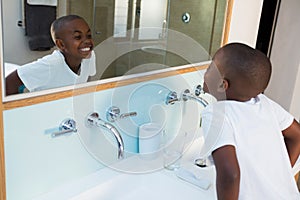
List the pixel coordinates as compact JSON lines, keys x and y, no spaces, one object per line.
{"x":76,"y":69}
{"x":74,"y":65}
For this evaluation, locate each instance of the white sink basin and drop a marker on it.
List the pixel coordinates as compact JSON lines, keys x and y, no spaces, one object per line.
{"x":109,"y":184}
{"x":151,"y":186}
{"x":155,"y":49}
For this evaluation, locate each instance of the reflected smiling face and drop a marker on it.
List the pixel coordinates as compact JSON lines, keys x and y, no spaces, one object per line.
{"x":75,"y":41}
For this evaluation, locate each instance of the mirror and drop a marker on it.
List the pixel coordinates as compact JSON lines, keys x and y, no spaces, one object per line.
{"x":131,"y":36}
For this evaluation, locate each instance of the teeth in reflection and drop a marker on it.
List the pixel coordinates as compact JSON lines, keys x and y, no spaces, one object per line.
{"x":85,"y":49}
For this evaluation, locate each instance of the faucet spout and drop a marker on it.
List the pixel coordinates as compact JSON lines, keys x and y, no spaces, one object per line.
{"x":118,"y":137}
{"x":187,"y":95}
{"x":94,"y":120}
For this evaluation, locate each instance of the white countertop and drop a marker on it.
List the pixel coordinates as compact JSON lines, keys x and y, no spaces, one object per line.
{"x":157,"y":183}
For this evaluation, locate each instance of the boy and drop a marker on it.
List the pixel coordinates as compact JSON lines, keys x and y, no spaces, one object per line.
{"x":253,"y":141}
{"x":72,"y":63}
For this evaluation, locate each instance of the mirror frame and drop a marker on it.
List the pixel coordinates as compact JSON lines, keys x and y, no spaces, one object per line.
{"x":16,"y":101}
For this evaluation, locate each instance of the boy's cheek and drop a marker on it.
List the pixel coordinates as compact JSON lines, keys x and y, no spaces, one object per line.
{"x":209,"y":88}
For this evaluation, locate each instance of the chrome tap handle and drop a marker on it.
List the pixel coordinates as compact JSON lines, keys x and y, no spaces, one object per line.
{"x":199,"y":90}
{"x":172,"y":98}
{"x":113,"y":113}
{"x":66,"y":126}
{"x":187,"y":95}
{"x":130,"y":114}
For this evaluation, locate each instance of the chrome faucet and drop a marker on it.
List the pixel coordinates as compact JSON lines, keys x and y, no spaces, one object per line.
{"x":172,"y":98}
{"x":113,"y":114}
{"x":94,"y":120}
{"x":187,"y":95}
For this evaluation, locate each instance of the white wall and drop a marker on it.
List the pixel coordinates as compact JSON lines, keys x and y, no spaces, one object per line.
{"x":16,"y":49}
{"x":245,"y":21}
{"x":295,"y":104}
{"x":284,"y":85}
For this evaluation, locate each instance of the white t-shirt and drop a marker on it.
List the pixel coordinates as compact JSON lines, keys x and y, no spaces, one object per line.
{"x":52,"y":71}
{"x":254,"y":128}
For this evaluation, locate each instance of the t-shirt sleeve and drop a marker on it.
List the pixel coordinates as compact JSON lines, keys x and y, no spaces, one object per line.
{"x":217,"y":131}
{"x":34,"y":75}
{"x":284,"y":118}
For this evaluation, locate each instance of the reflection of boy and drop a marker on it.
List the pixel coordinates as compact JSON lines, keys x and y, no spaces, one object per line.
{"x":72,"y":63}
{"x":256,"y":141}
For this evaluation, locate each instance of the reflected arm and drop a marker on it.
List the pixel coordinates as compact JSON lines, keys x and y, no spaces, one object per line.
{"x":12,"y":83}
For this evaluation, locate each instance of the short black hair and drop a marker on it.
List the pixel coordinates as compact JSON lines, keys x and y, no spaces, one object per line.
{"x":59,"y":23}
{"x":249,"y":63}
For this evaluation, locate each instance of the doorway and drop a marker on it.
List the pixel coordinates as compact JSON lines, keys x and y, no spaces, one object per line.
{"x":267,"y":26}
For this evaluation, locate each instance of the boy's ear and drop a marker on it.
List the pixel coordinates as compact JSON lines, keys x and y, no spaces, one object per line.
{"x":223,"y":86}
{"x":60,"y":44}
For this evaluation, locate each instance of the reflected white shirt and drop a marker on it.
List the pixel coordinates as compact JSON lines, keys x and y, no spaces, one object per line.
{"x":52,"y":71}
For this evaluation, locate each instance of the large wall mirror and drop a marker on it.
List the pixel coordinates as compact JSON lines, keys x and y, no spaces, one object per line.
{"x":131,"y":36}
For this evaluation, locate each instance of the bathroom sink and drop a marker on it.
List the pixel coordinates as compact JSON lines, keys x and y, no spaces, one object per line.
{"x":155,"y":49}
{"x":151,"y":186}
{"x":110,"y":184}
{"x":107,"y":184}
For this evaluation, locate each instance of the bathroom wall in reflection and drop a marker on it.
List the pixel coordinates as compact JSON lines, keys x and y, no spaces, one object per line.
{"x":143,"y":26}
{"x":205,"y":23}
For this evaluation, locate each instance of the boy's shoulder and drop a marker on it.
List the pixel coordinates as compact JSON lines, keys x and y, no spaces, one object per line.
{"x":55,"y":57}
{"x":231,"y":105}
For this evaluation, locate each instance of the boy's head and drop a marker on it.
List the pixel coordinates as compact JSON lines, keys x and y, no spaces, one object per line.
{"x":73,"y":37}
{"x":237,"y":72}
